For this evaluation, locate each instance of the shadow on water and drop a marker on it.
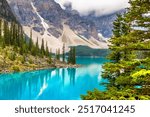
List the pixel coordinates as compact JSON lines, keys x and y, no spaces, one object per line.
{"x":53,"y":84}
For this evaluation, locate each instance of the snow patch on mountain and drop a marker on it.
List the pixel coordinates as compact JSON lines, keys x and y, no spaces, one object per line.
{"x":57,"y":26}
{"x":72,"y":39}
{"x":45,"y":25}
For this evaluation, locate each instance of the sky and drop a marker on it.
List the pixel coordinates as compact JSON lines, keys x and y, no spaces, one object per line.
{"x":100,"y":7}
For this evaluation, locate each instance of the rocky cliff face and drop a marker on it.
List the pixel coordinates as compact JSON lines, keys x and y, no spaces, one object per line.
{"x":56,"y":25}
{"x":5,"y":11}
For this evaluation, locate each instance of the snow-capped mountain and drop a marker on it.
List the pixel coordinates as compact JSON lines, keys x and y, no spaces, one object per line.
{"x":57,"y":26}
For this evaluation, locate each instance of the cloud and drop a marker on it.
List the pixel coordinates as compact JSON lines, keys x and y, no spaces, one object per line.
{"x":100,"y":7}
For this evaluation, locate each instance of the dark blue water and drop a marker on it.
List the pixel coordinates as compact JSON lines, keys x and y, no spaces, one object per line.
{"x":53,"y":84}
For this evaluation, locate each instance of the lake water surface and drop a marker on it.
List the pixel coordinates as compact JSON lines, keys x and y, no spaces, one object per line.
{"x":53,"y":84}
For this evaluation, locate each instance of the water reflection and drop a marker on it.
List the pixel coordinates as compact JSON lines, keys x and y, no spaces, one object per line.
{"x":72,"y":73}
{"x":52,"y":84}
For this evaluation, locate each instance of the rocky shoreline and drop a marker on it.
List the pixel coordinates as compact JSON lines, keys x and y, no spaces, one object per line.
{"x":28,"y":62}
{"x":59,"y":64}
{"x":51,"y":66}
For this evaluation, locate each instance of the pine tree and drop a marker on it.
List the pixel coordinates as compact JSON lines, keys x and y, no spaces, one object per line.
{"x":33,"y":51}
{"x":18,"y":32}
{"x":50,"y":56}
{"x":22,"y":49}
{"x":17,"y":36}
{"x":126,"y":70}
{"x":37,"y":46}
{"x":30,"y":41}
{"x":26,"y":44}
{"x":47,"y":50}
{"x":22,"y":42}
{"x":116,"y":40}
{"x":72,"y":56}
{"x":6,"y":33}
{"x":42,"y":48}
{"x":11,"y":33}
{"x":58,"y":54}
{"x":137,"y":14}
{"x":63,"y":52}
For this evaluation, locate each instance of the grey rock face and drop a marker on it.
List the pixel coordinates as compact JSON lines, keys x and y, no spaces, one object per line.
{"x":5,"y":11}
{"x":103,"y":24}
{"x":55,"y":17}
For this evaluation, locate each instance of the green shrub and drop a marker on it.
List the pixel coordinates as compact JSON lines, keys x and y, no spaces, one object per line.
{"x":16,"y":68}
{"x":12,"y":56}
{"x":30,"y":61}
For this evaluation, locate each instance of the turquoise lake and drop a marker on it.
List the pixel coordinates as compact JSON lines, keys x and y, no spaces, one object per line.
{"x":54,"y":84}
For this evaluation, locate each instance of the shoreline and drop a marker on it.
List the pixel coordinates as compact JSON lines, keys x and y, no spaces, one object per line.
{"x":51,"y":66}
{"x":10,"y":63}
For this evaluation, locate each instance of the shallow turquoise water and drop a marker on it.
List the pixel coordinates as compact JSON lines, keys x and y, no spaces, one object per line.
{"x":53,"y":84}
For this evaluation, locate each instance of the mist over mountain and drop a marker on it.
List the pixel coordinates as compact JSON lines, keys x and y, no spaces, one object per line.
{"x":57,"y":25}
{"x":98,"y":7}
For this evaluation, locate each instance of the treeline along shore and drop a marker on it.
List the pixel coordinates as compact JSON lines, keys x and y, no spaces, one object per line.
{"x":19,"y":53}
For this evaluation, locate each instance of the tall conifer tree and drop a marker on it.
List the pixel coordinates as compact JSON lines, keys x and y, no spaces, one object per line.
{"x":126,"y":70}
{"x":63,"y":52}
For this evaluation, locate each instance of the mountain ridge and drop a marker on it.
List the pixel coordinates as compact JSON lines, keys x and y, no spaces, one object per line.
{"x":48,"y":16}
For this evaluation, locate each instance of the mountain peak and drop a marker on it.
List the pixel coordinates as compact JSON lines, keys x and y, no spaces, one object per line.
{"x":49,"y":20}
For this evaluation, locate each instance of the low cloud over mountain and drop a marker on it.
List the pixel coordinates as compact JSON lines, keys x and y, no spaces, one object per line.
{"x":99,"y":7}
